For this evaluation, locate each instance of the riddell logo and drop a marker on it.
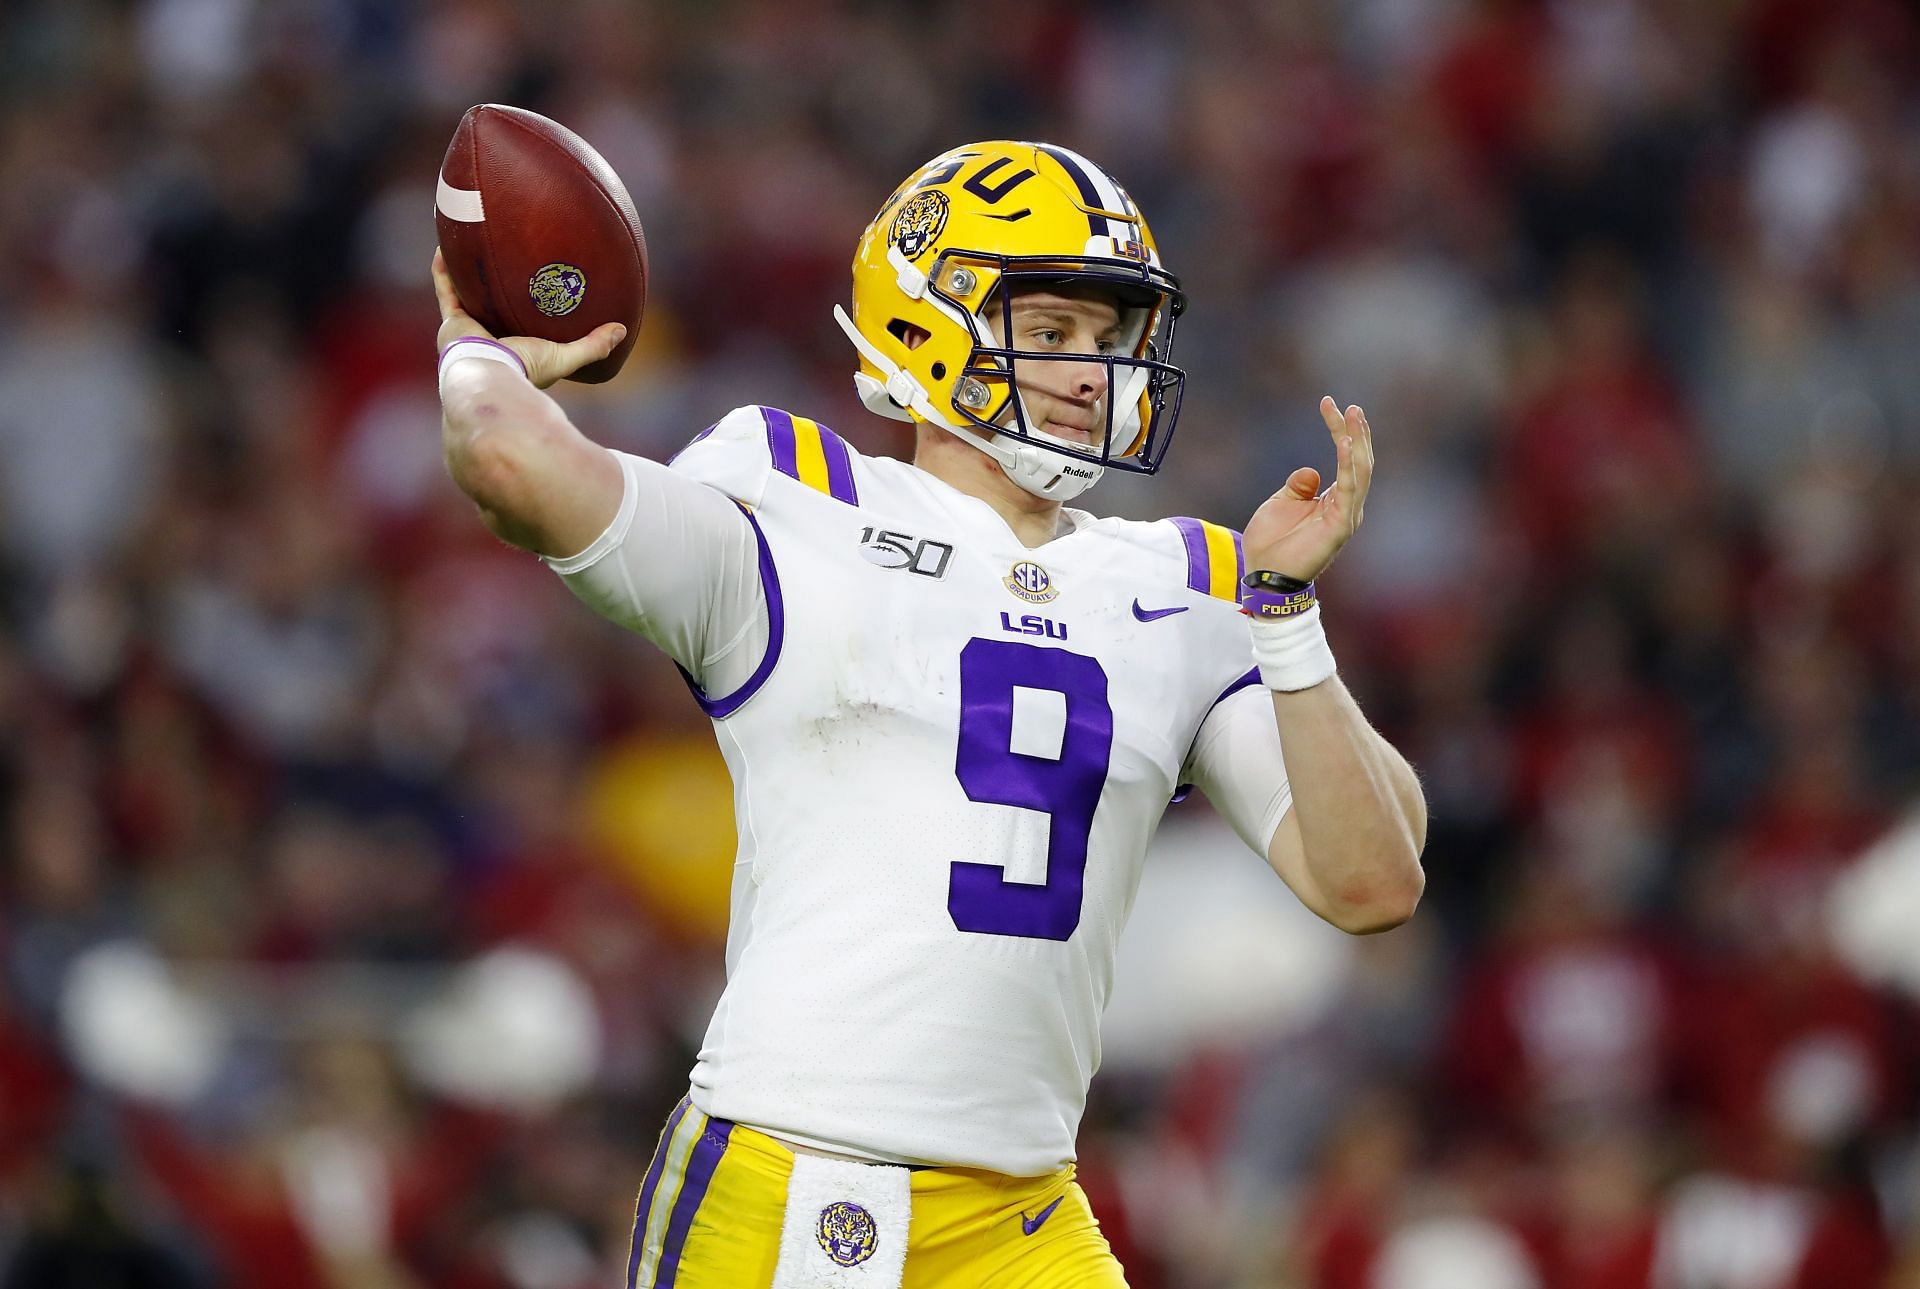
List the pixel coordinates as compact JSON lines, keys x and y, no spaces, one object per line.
{"x":1078,"y":472}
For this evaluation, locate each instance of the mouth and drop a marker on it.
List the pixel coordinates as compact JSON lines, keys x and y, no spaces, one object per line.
{"x":1068,"y":430}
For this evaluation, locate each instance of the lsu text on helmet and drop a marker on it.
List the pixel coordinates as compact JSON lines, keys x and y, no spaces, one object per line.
{"x":945,"y":256}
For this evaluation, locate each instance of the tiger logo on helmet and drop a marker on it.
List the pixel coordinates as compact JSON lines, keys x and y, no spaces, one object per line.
{"x":919,"y":220}
{"x":940,"y":261}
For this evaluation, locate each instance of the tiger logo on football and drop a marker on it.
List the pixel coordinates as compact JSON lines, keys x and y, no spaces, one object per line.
{"x":557,"y":289}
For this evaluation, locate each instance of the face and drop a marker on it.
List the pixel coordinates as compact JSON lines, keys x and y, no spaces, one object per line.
{"x":1066,"y":398}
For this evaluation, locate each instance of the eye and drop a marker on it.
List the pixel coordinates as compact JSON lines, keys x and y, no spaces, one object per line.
{"x":1109,"y":346}
{"x":1048,"y":336}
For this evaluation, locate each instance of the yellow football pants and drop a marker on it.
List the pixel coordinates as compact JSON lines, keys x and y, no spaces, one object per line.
{"x":715,"y":1198}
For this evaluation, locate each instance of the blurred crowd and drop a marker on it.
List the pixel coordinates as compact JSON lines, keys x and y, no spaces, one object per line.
{"x":357,"y":887}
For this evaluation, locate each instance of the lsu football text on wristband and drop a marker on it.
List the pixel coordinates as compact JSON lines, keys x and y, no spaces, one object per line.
{"x":478,"y":347}
{"x":1270,"y":606}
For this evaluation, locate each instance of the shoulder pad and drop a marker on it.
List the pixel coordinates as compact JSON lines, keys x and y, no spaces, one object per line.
{"x":738,"y":453}
{"x":1214,"y":562}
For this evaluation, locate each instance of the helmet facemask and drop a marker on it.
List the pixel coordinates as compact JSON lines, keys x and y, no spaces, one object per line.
{"x":1141,"y":403}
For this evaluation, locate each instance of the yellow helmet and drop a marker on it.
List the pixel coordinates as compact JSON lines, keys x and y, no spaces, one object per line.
{"x":932,"y":263}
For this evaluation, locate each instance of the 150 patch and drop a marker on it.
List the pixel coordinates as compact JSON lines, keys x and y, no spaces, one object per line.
{"x":921,"y":555}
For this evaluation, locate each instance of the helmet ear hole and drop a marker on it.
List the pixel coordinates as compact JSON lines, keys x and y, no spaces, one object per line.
{"x":907,"y":333}
{"x":939,"y":371}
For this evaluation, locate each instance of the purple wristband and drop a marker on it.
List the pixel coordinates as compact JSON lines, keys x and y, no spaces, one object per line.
{"x":518,"y":361}
{"x":1277,"y":606}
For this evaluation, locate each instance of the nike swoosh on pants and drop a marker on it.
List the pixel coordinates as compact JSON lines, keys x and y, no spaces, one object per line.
{"x":1032,"y":1224}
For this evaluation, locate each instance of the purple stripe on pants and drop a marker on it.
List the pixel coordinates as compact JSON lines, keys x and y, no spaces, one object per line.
{"x":839,"y":467}
{"x":780,"y":441}
{"x":648,"y":1187}
{"x":706,"y":1158}
{"x":1199,"y":564}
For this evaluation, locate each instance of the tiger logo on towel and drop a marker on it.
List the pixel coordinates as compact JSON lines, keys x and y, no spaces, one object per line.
{"x":846,"y":1231}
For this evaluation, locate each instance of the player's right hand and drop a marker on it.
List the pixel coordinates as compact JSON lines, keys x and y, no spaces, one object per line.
{"x":546,"y":360}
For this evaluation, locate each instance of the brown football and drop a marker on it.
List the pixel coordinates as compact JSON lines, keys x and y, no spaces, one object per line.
{"x":539,"y":234}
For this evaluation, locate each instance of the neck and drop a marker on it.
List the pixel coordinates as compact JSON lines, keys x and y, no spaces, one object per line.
{"x":1034,"y":520}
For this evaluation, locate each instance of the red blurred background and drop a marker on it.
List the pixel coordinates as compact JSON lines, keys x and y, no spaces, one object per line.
{"x":361,"y":895}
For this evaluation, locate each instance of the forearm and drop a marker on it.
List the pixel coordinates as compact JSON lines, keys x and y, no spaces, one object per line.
{"x":488,"y":415}
{"x":1350,"y":845}
{"x":538,"y":482}
{"x":1359,"y":810}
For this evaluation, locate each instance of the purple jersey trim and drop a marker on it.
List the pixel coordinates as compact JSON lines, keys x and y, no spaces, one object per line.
{"x":839,"y":467}
{"x":1199,"y":565}
{"x":785,"y":450}
{"x":690,"y":442}
{"x":706,"y":1158}
{"x":1251,"y":678}
{"x":1185,"y":790}
{"x":786,"y":457}
{"x":721,"y":708}
{"x":647,"y":1188}
{"x":1193,"y":535}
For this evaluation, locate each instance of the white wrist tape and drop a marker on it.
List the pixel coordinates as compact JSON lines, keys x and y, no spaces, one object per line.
{"x":477,"y":347}
{"x":1292,"y":652}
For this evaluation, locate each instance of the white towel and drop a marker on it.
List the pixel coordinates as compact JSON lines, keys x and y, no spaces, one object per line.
{"x":846,"y":1225}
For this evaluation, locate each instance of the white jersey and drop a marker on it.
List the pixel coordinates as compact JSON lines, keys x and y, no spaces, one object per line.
{"x":949,"y":753}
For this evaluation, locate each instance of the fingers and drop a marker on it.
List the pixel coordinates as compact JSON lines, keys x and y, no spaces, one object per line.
{"x":1360,"y":451}
{"x":1353,"y":448}
{"x":593,"y":346}
{"x":1330,"y":413}
{"x":546,"y":362}
{"x":561,"y":361}
{"x":1349,"y":454}
{"x":443,"y":293}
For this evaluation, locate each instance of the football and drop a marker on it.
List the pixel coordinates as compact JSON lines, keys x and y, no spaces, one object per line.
{"x":540,"y":236}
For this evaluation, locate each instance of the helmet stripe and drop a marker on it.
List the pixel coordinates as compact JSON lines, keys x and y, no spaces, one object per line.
{"x":1097,"y":188}
{"x":1126,"y":198}
{"x":1071,"y":163}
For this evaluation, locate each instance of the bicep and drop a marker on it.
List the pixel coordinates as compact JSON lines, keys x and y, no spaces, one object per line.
{"x":1237,"y":762}
{"x":679,"y":563}
{"x":540,"y":484}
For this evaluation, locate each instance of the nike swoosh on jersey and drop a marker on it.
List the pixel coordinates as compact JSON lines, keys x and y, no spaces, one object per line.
{"x":1032,"y":1224}
{"x":1148,"y":615}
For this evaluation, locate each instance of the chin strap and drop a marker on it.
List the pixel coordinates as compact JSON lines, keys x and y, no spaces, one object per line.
{"x":1037,"y":469}
{"x":1126,"y":409}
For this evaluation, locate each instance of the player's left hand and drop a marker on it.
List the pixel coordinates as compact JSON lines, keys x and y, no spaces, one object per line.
{"x":1299,"y":529}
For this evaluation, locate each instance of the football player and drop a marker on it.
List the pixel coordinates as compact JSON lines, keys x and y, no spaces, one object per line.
{"x":954,"y":708}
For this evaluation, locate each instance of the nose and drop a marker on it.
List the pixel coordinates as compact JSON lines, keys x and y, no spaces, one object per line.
{"x":1087,"y":380}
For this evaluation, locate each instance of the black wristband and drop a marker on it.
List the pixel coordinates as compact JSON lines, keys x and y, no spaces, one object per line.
{"x":1265,"y":579}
